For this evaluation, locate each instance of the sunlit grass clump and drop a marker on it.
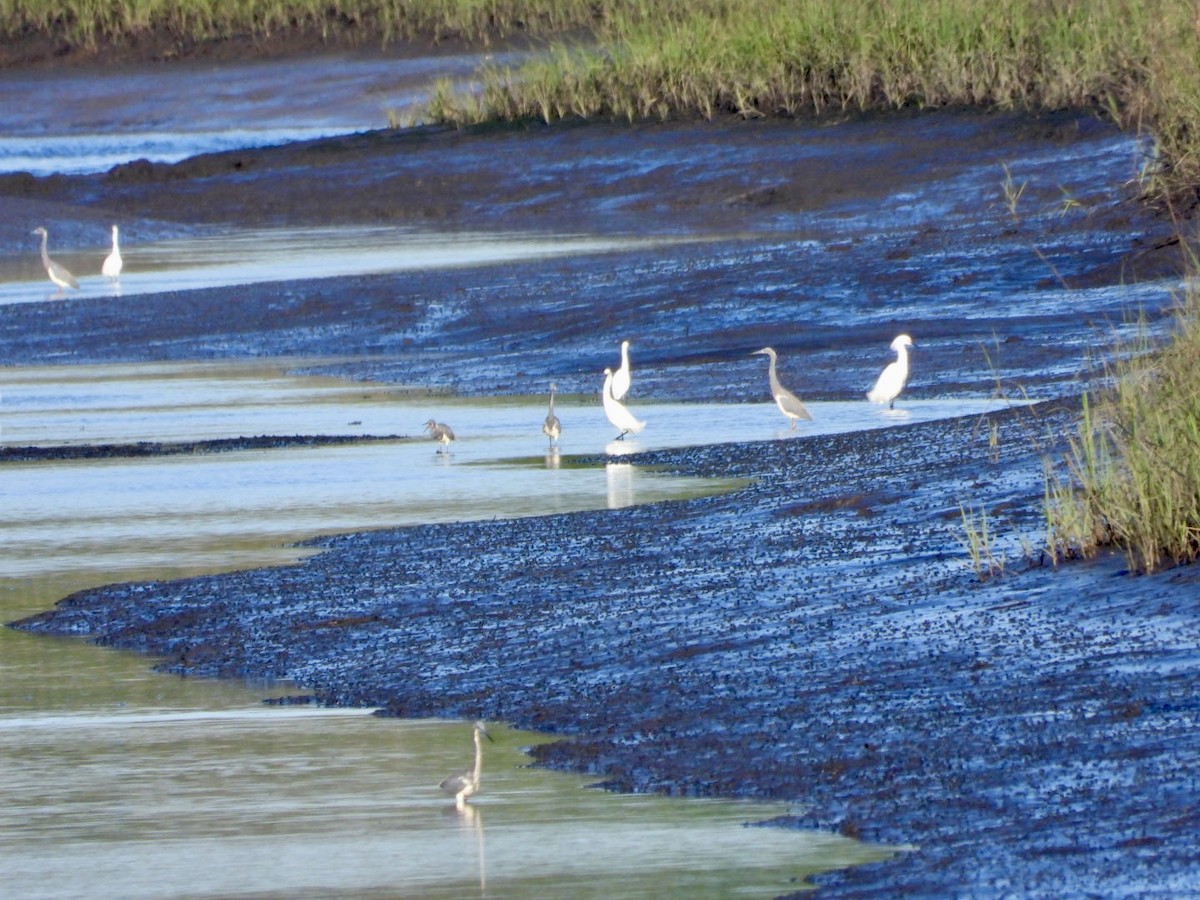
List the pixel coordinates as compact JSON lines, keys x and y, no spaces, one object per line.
{"x":1139,"y":60}
{"x":1133,"y":469}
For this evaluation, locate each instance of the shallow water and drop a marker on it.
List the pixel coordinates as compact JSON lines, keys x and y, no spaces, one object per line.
{"x":249,"y":256}
{"x":165,"y":113}
{"x":143,"y":784}
{"x":133,"y":784}
{"x":237,"y":508}
{"x":343,"y":803}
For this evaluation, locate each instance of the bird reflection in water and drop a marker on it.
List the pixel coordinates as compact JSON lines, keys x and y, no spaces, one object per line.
{"x":619,"y":477}
{"x":470,"y":820}
{"x":464,"y":785}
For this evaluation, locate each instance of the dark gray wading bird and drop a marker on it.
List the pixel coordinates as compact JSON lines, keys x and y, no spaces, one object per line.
{"x":440,"y":432}
{"x":466,"y":784}
{"x":552,"y":428}
{"x":58,"y":274}
{"x":789,"y":404}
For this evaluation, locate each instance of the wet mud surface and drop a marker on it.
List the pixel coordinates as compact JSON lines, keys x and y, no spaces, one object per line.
{"x":818,"y":636}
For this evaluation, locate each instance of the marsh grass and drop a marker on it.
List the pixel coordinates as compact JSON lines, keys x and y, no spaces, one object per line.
{"x":978,"y":537}
{"x":1139,"y":60}
{"x":1131,"y":476}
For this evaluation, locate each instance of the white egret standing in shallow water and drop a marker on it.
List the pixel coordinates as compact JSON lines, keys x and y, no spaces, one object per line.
{"x":113,"y":262}
{"x":616,"y":412}
{"x":789,"y":404}
{"x":622,"y":378}
{"x":441,"y":432}
{"x":891,"y":379}
{"x":552,"y":428}
{"x":467,"y":783}
{"x":58,"y":274}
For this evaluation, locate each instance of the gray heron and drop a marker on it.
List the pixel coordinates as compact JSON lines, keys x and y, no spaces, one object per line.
{"x":58,"y":274}
{"x":622,"y":377}
{"x":467,"y":783}
{"x":552,"y":428}
{"x":789,"y":404}
{"x":620,"y":417}
{"x":891,"y":379}
{"x":440,"y":432}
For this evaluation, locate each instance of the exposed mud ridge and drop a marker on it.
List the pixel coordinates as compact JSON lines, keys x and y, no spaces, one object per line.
{"x":177,"y":448}
{"x":1036,"y":733}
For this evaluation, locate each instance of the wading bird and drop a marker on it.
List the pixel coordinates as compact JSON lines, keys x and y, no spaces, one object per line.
{"x":789,"y":404}
{"x":113,"y":262}
{"x":621,"y":417}
{"x":622,"y":377}
{"x":58,"y":274}
{"x":892,"y":378}
{"x":466,"y":783}
{"x":552,"y":428}
{"x":441,"y":432}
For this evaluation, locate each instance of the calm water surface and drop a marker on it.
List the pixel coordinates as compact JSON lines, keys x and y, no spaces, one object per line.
{"x":127,"y":783}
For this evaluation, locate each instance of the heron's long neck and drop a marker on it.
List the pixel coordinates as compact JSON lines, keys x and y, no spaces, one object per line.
{"x":45,"y":255}
{"x":902,"y":356}
{"x":478,"y":758}
{"x":115,"y":247}
{"x":772,"y":377}
{"x":552,"y":403}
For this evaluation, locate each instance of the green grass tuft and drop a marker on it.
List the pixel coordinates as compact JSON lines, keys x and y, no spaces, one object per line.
{"x":1131,"y":478}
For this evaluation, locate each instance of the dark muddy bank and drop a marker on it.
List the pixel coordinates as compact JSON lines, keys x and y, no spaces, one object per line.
{"x":818,"y":636}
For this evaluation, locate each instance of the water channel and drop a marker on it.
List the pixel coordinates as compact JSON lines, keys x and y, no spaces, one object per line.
{"x":130,"y":783}
{"x":124,"y":782}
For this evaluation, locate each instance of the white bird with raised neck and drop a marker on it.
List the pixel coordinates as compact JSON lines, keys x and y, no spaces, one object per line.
{"x":620,"y":417}
{"x":893,"y":377}
{"x":111,"y":269}
{"x":622,"y":378}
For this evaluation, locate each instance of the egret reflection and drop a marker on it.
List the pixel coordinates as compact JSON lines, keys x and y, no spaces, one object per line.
{"x":619,"y":478}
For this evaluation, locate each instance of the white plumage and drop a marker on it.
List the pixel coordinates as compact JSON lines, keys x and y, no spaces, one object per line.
{"x":622,"y":378}
{"x":113,"y":263}
{"x":892,"y":378}
{"x":621,"y":417}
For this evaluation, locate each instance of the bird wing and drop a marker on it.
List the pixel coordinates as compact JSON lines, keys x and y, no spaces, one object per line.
{"x":456,"y":783}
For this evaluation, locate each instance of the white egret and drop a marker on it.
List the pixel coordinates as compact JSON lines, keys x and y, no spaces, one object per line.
{"x":441,"y":432}
{"x":113,"y":262}
{"x":891,"y":379}
{"x":789,"y":404}
{"x":552,"y":428}
{"x":621,"y":417}
{"x":467,"y":783}
{"x":622,"y":377}
{"x":58,"y":274}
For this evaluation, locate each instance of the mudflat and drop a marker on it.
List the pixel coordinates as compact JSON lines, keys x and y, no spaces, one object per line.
{"x":819,"y":636}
